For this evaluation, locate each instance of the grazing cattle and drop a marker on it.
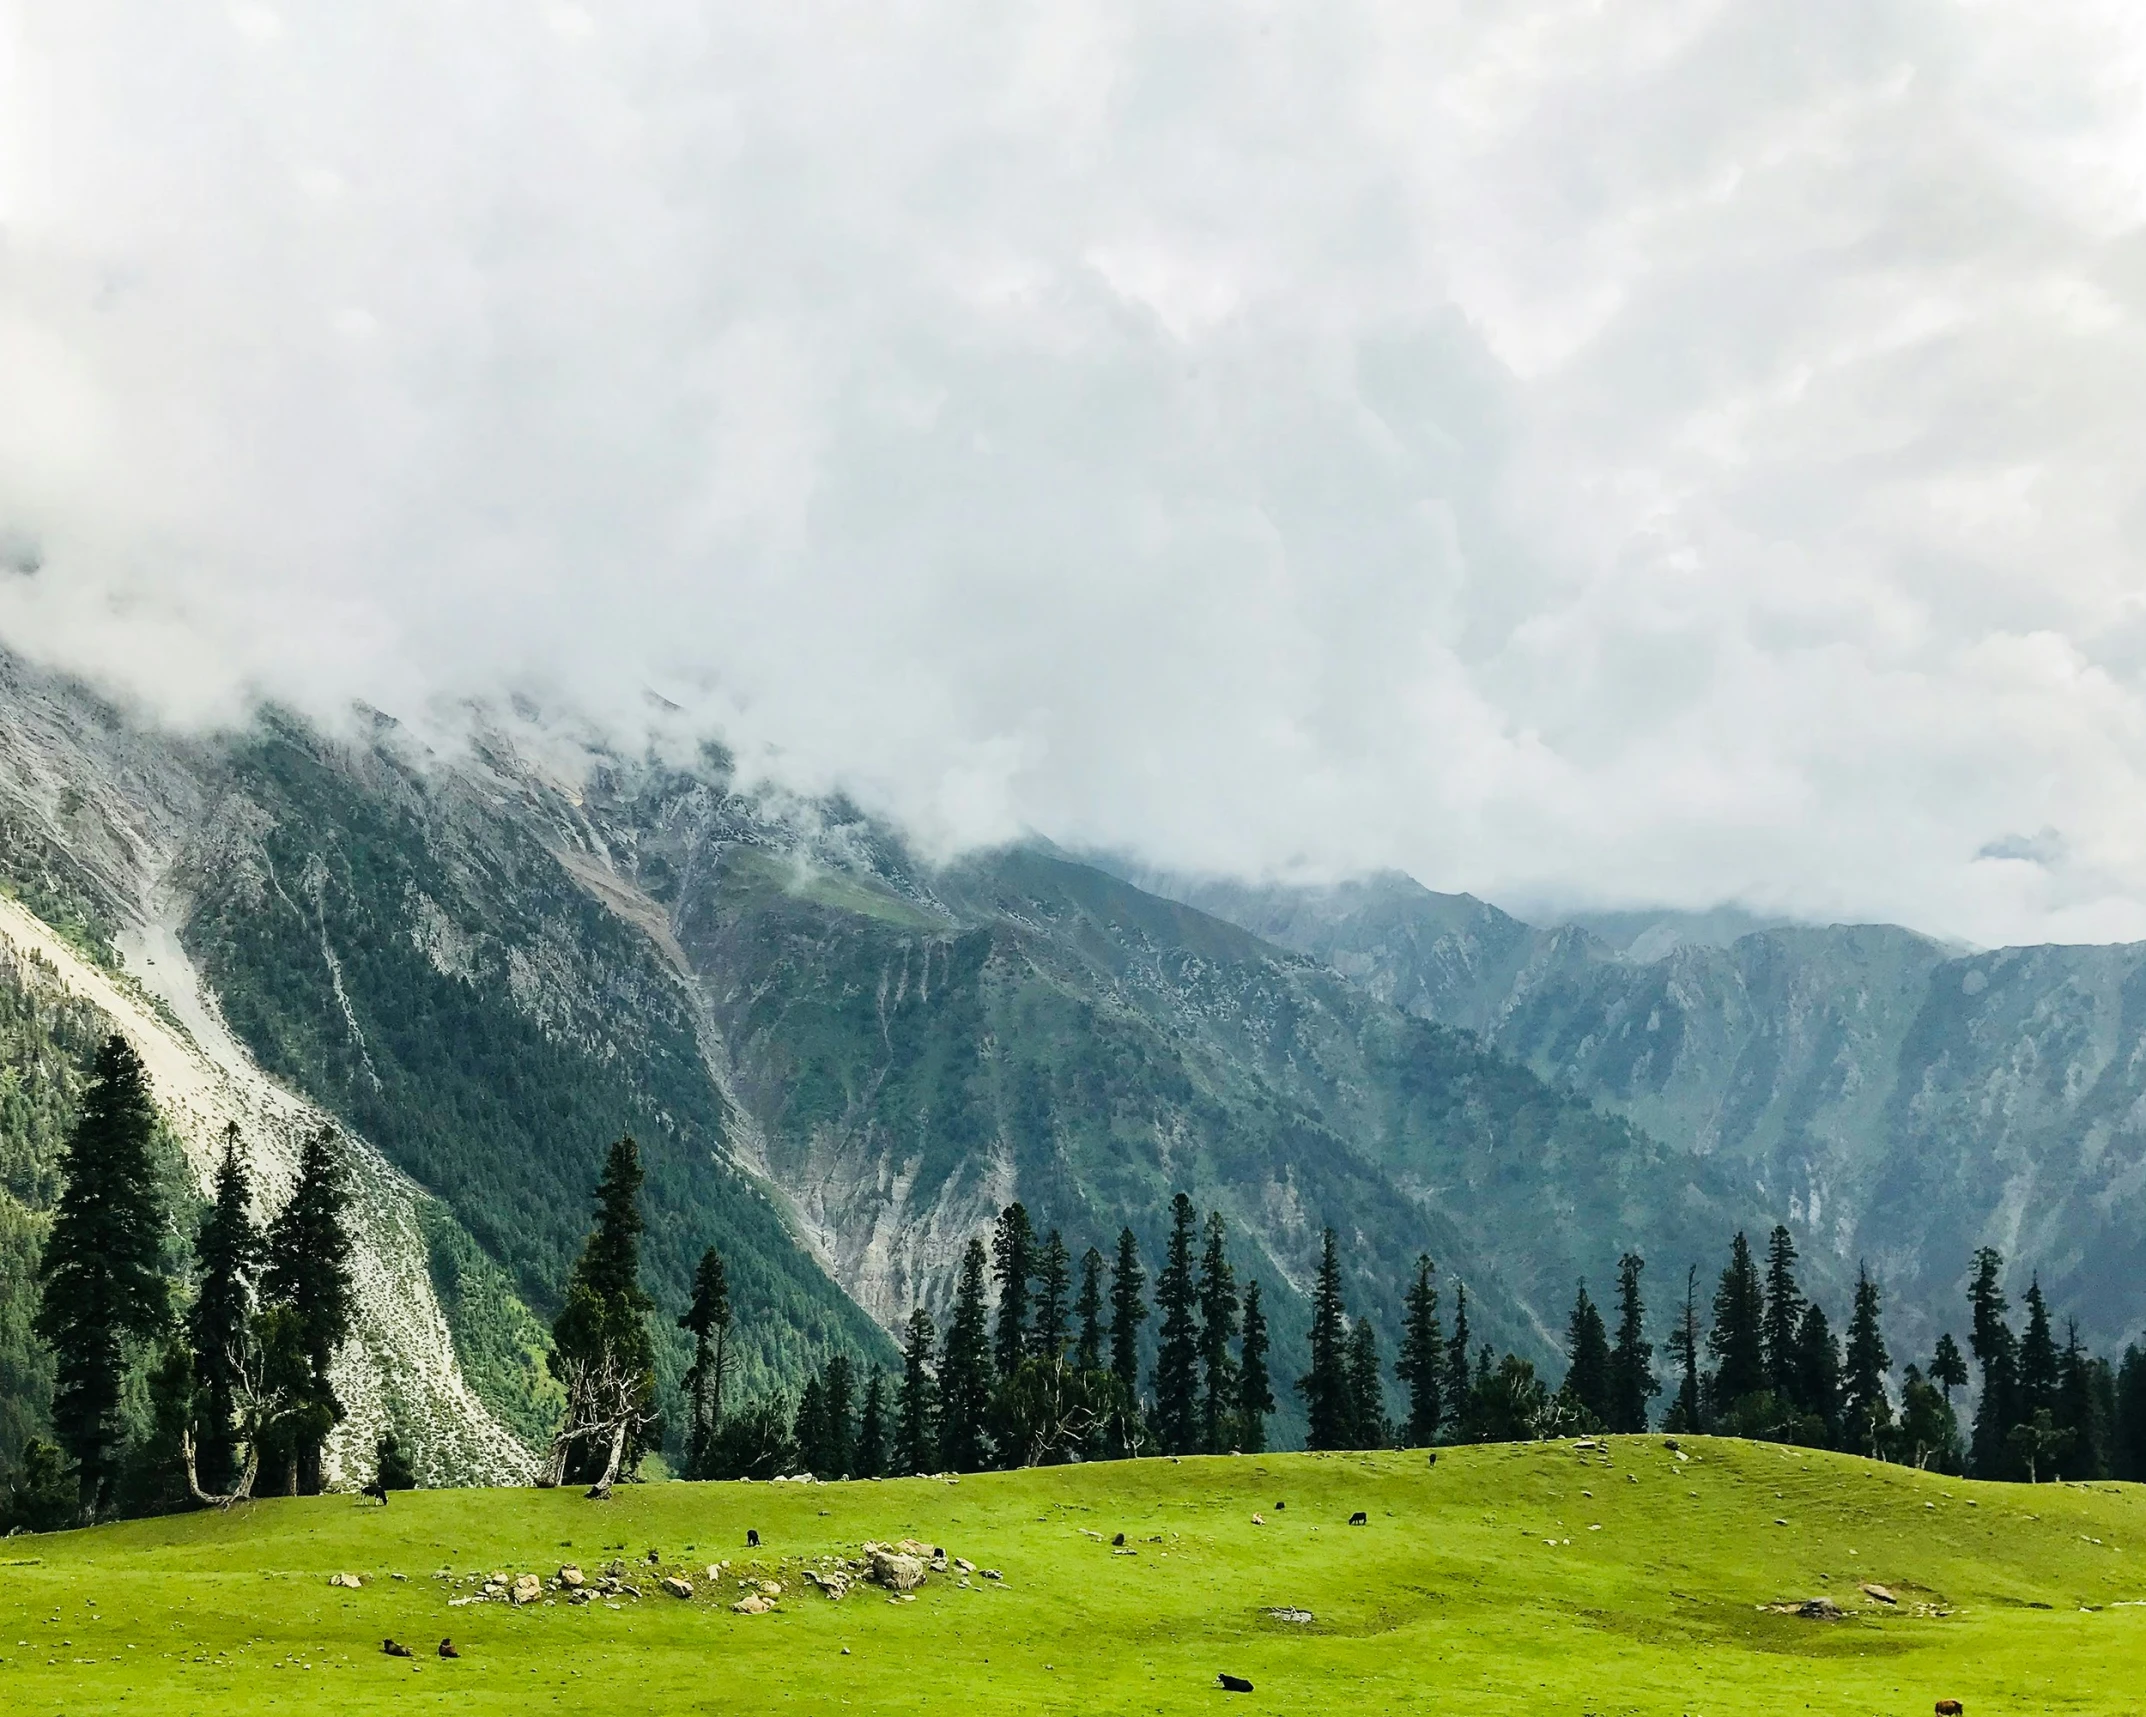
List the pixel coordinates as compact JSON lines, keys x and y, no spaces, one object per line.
{"x":1119,"y":1541}
{"x":1359,"y":1518}
{"x":376,"y":1490}
{"x":1433,"y":1461}
{"x":1949,"y":1708}
{"x":394,"y":1649}
{"x":752,"y":1538}
{"x":1233,"y":1683}
{"x":447,"y":1648}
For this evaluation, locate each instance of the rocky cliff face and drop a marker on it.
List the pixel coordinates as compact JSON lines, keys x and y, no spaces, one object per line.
{"x":1892,"y":1099}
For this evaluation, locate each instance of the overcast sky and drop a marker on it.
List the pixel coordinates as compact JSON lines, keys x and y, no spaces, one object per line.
{"x":1648,"y":451}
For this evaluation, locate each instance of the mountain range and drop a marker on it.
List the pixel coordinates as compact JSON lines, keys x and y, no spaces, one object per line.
{"x":484,"y":955}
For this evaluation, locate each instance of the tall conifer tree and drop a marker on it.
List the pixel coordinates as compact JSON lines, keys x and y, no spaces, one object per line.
{"x":1128,"y":1311}
{"x":1088,"y":1354}
{"x":2038,"y":1365}
{"x":1013,"y":1266}
{"x":1177,"y":1352}
{"x":916,"y":1421}
{"x":308,"y":1269}
{"x":1818,"y":1378}
{"x":1783,"y":1322}
{"x":870,"y":1461}
{"x":603,"y":1331}
{"x":1255,"y":1392}
{"x":1368,"y":1428}
{"x":707,"y":1320}
{"x":1422,"y":1361}
{"x":1459,"y":1385}
{"x":1866,"y":1408}
{"x":1996,"y":1350}
{"x":838,"y":1393}
{"x":1632,"y":1383}
{"x":1054,"y":1283}
{"x":99,"y":1274}
{"x":965,"y":1370}
{"x":1738,"y":1340}
{"x":1587,"y":1359}
{"x":1325,"y":1387}
{"x":227,"y":1264}
{"x":1688,"y":1411}
{"x":1218,"y":1328}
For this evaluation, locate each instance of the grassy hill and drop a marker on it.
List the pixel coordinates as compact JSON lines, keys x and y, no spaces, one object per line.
{"x":1493,"y":1582}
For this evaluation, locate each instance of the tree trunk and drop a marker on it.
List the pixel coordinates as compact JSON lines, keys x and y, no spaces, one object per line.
{"x":601,"y":1490}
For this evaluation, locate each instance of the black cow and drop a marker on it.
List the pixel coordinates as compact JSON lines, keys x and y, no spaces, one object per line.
{"x":447,"y":1648}
{"x":752,"y":1538}
{"x":1359,"y":1518}
{"x":1233,"y":1683}
{"x":376,"y":1490}
{"x":394,"y":1649}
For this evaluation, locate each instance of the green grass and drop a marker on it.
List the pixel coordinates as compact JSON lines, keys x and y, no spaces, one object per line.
{"x":1478,"y":1586}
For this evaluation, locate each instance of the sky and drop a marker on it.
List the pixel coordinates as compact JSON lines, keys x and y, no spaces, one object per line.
{"x":1642,"y":452}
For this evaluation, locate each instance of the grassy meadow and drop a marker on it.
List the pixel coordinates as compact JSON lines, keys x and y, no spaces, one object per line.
{"x":1526,"y":1578}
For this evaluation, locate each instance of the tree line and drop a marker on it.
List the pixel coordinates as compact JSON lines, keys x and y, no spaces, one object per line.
{"x":209,"y":1381}
{"x":195,"y":1383}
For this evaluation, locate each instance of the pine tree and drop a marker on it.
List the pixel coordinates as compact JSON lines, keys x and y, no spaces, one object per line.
{"x":1632,"y":1383}
{"x":870,"y":1460}
{"x":2084,"y":1397}
{"x":808,"y":1431}
{"x":2037,"y":1356}
{"x":2128,"y":1436}
{"x":307,"y":1251}
{"x":1128,"y":1311}
{"x":838,"y":1389}
{"x":1422,"y":1360}
{"x":965,"y":1371}
{"x":1325,"y":1387}
{"x":1817,"y":1379}
{"x":1218,"y":1328}
{"x":1687,"y":1412}
{"x":707,"y":1320}
{"x":1255,"y":1392}
{"x":1013,"y":1266}
{"x":1088,"y":1355}
{"x":227,"y":1263}
{"x":1866,"y":1409}
{"x":1996,"y":1350}
{"x":391,"y":1466}
{"x":1054,"y":1282}
{"x":1458,"y":1382}
{"x":1368,"y":1428}
{"x":99,"y":1275}
{"x":916,"y":1421}
{"x":1738,"y":1338}
{"x":602,"y":1347}
{"x":1587,"y":1360}
{"x":1177,"y":1353}
{"x":1948,"y":1367}
{"x":1782,"y":1327}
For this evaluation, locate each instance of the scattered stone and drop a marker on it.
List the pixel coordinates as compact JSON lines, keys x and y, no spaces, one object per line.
{"x":677,"y":1586}
{"x":990,"y":1574}
{"x":1819,"y":1609}
{"x":571,"y":1578}
{"x":527,"y":1589}
{"x":1287,"y":1613}
{"x":351,"y":1581}
{"x":752,"y":1604}
{"x":771,"y":1588}
{"x":1670,"y":1443}
{"x":968,"y":1567}
{"x":1233,"y":1683}
{"x":497,"y":1577}
{"x":1259,"y":1520}
{"x":715,"y":1571}
{"x":1778,"y":1521}
{"x":581,"y":1597}
{"x":1878,"y":1592}
{"x":834,"y":1585}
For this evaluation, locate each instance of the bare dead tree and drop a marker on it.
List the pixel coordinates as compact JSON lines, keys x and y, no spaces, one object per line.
{"x":606,"y":1403}
{"x":258,"y":1408}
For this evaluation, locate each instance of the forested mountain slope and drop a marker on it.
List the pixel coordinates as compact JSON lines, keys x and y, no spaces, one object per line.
{"x":1894,"y":1099}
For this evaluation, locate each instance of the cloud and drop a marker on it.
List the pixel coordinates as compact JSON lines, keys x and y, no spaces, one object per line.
{"x":1662,"y":452}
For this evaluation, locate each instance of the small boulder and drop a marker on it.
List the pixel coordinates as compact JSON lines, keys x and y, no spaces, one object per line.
{"x":752,"y":1604}
{"x":1289,"y":1613}
{"x":677,"y":1586}
{"x":968,"y":1567}
{"x":1259,"y":1520}
{"x":350,"y":1581}
{"x":1820,"y":1609}
{"x":892,"y":1569}
{"x":1881,"y":1593}
{"x":571,"y":1578}
{"x":527,"y":1588}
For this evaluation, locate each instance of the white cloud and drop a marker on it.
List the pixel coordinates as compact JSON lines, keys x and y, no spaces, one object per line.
{"x":1652,"y":451}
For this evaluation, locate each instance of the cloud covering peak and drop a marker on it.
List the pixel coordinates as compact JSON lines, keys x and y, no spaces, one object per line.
{"x":1661,"y":451}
